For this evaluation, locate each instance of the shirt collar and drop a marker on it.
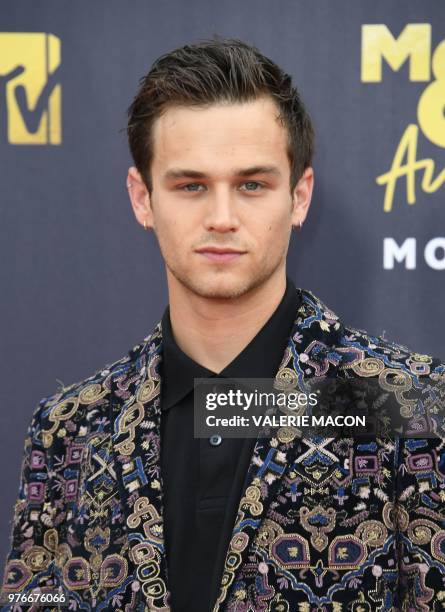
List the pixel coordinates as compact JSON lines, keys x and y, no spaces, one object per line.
{"x":261,"y":358}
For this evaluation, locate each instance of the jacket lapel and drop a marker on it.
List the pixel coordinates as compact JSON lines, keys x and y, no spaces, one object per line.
{"x":309,"y":353}
{"x":136,"y":417}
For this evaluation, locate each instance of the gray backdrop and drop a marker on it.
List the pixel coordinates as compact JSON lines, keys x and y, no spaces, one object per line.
{"x":82,"y":282}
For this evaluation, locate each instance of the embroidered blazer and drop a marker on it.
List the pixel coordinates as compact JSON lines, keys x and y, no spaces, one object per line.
{"x":326,"y":524}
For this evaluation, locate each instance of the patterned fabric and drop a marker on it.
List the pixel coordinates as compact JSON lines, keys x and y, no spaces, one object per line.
{"x":323,"y":524}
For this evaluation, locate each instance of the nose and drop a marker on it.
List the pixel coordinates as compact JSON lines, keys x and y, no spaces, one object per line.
{"x":221,"y":213}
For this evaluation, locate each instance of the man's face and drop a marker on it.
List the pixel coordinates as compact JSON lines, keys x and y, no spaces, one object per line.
{"x":221,"y":205}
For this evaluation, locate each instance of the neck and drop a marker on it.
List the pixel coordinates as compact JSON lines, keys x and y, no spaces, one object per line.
{"x":212,"y":331}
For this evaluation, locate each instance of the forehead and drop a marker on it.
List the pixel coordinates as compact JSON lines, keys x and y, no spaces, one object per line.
{"x":220,"y":135}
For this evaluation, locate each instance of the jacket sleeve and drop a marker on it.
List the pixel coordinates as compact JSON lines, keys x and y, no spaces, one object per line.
{"x":36,"y":518}
{"x":420,"y":512}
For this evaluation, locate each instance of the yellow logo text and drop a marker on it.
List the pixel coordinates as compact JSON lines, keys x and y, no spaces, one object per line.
{"x":413,"y":44}
{"x":30,"y":92}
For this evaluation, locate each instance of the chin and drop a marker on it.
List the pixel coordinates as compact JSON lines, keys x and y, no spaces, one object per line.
{"x":223,"y":286}
{"x":220,"y":289}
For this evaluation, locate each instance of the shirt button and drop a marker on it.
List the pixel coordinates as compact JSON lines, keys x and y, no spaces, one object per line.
{"x":215,"y":440}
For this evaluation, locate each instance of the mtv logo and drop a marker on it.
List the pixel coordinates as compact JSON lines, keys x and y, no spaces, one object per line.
{"x":30,"y":92}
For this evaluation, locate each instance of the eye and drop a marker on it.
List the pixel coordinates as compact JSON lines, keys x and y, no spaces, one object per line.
{"x":192,"y":187}
{"x":251,"y":186}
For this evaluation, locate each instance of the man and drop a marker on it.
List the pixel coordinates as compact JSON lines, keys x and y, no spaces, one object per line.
{"x":119,"y":503}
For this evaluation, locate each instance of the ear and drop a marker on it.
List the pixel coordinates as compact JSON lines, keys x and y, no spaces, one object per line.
{"x":139,"y":198}
{"x":301,"y":197}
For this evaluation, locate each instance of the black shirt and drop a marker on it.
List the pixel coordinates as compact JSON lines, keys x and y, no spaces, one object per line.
{"x":203,"y":482}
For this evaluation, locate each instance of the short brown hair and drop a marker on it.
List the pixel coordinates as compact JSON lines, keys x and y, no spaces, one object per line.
{"x":209,"y":72}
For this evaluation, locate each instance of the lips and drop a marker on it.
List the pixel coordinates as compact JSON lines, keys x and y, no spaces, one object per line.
{"x":220,"y":254}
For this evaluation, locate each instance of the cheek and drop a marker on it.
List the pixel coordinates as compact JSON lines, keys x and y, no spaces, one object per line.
{"x":277,"y":235}
{"x":273,"y":214}
{"x":173,"y":233}
{"x":276,"y":229}
{"x":273,"y":237}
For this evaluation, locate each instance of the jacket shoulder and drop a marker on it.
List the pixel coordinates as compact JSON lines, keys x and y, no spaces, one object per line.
{"x":391,"y":353}
{"x":79,"y":408}
{"x":358,"y":350}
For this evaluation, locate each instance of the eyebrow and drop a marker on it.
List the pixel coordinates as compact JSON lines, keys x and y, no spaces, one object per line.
{"x":179,"y":173}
